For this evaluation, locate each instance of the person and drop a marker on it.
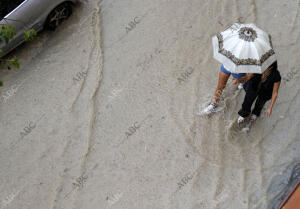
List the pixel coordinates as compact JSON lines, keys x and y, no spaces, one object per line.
{"x":224,"y":75}
{"x":262,"y":87}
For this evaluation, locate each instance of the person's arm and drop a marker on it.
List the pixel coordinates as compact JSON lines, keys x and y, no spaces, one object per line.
{"x":246,"y":78}
{"x":243,"y":79}
{"x":274,"y":97}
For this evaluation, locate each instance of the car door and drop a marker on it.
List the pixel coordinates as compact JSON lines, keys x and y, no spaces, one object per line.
{"x":37,"y":11}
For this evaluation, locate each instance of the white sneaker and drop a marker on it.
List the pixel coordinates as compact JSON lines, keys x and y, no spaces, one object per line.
{"x":253,"y":118}
{"x":240,"y":120}
{"x":240,"y":86}
{"x":209,"y":109}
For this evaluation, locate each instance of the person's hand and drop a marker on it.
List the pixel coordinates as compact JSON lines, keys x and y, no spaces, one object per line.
{"x":235,"y":81}
{"x":269,"y":112}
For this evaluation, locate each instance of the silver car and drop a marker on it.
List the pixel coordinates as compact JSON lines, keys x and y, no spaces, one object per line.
{"x":32,"y":14}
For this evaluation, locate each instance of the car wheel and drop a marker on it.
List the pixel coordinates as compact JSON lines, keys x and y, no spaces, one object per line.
{"x":58,"y":15}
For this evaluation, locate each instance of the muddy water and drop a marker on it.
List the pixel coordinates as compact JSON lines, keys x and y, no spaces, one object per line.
{"x":47,"y":118}
{"x":103,"y":112}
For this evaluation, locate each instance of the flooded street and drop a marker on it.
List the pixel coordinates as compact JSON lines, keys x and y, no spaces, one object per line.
{"x":102,"y":112}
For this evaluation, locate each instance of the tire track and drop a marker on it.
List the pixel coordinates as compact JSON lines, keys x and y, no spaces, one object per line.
{"x":82,"y":84}
{"x":99,"y":67}
{"x":59,"y":188}
{"x":94,"y":69}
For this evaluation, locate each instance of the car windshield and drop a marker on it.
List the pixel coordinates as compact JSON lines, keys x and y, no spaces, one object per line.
{"x":6,"y":6}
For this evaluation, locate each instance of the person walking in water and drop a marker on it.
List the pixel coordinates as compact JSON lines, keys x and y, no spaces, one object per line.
{"x":224,"y":75}
{"x":243,"y":50}
{"x":262,"y":87}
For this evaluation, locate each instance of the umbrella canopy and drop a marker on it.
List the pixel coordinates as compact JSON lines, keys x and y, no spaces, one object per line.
{"x":244,"y":48}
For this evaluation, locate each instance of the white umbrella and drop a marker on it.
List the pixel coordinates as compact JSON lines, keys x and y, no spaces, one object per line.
{"x":244,"y":48}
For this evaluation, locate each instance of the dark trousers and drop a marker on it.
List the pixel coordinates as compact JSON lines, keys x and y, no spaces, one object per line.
{"x":250,"y":97}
